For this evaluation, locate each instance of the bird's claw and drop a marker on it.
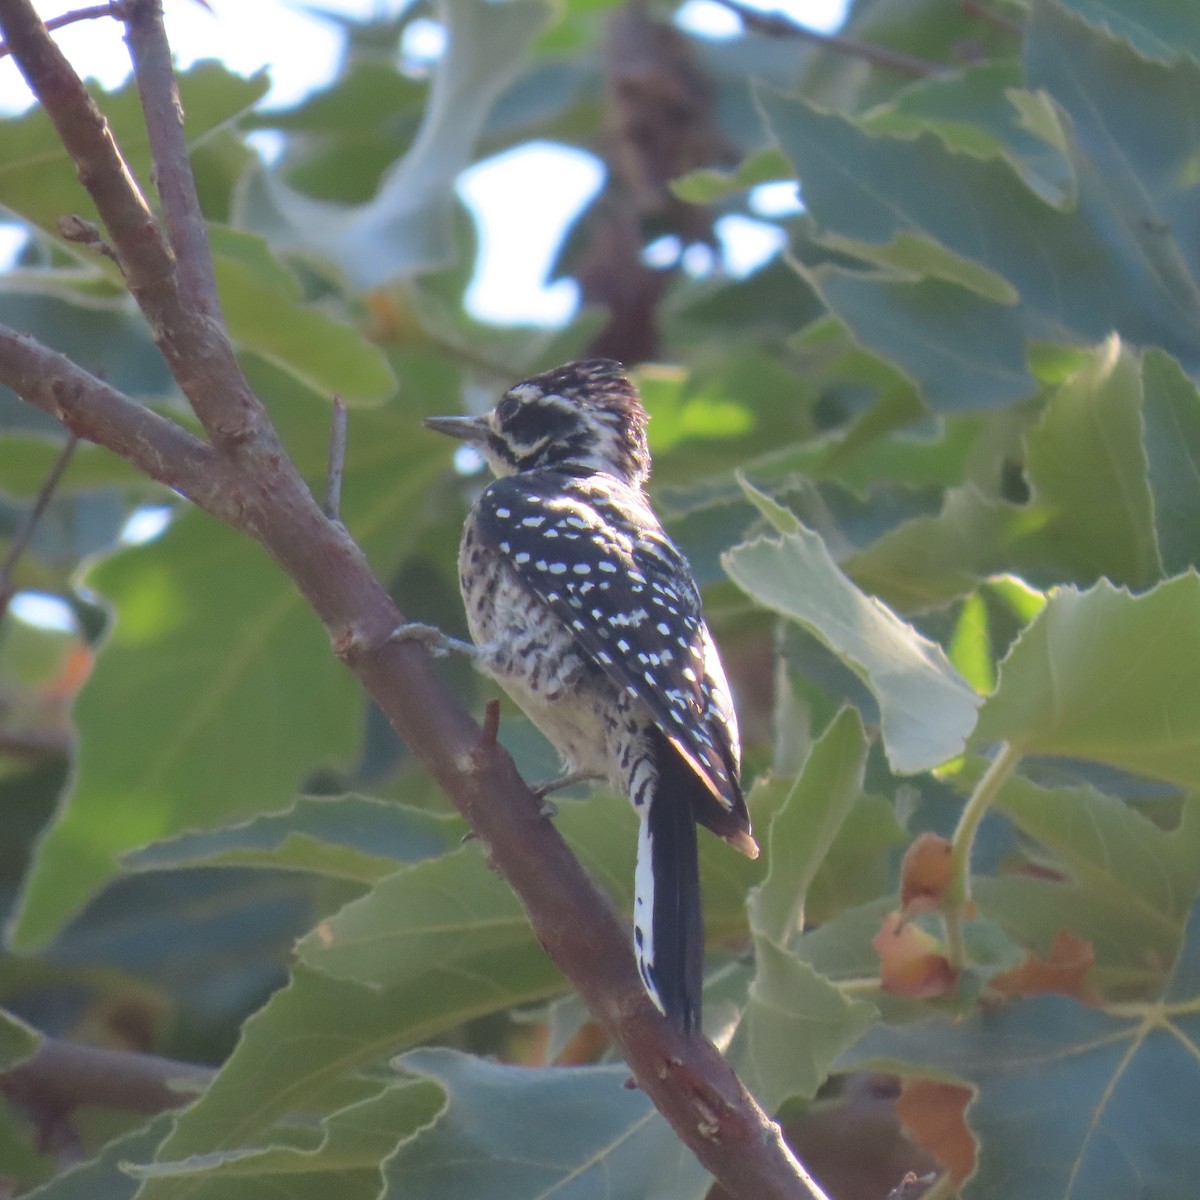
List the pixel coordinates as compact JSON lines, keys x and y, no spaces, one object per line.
{"x":436,"y":643}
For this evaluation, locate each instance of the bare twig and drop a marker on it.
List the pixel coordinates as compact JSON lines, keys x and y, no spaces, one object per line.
{"x":25,"y":533}
{"x":981,"y":12}
{"x":60,"y":1076}
{"x":163,"y":110}
{"x":115,"y":9}
{"x":777,"y":25}
{"x":338,"y":423}
{"x":254,"y":487}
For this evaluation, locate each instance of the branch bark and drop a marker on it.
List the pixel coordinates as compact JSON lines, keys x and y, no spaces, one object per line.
{"x":61,"y":1076}
{"x":245,"y":479}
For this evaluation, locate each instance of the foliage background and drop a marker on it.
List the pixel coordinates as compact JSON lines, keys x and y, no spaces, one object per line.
{"x":972,"y":378}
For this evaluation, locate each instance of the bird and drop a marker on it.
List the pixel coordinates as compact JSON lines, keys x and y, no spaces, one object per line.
{"x":585,"y":612}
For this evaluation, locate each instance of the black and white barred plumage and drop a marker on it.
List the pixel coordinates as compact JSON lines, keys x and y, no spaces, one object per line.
{"x":588,"y":616}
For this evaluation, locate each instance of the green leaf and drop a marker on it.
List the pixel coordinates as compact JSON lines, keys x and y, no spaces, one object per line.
{"x":104,"y":1177}
{"x":408,"y":227}
{"x":200,"y":709}
{"x":927,"y":709}
{"x":982,"y":110}
{"x":445,"y":911}
{"x":1087,"y":466}
{"x":264,"y":311}
{"x":217,"y":694}
{"x":858,"y":865}
{"x":963,"y":351}
{"x":707,"y":186}
{"x":927,"y":562}
{"x":107,"y":338}
{"x":302,"y":1051}
{"x":805,"y":827}
{"x":1107,"y":676}
{"x":347,"y":837}
{"x":1128,"y":883}
{"x":570,"y":1132}
{"x":346,"y":1162}
{"x":25,"y":461}
{"x":795,"y":1025}
{"x":17,"y":1040}
{"x":1158,"y":28}
{"x":1136,"y":194}
{"x":970,"y":647}
{"x":1172,"y":438}
{"x":1113,"y":1116}
{"x":39,"y":181}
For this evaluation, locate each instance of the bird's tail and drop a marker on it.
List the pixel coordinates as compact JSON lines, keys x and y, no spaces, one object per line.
{"x":668,"y":921}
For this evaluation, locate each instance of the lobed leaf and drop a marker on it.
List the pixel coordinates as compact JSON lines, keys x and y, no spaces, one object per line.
{"x":1071,"y":1101}
{"x":927,"y":709}
{"x":1107,"y":676}
{"x":510,"y":1131}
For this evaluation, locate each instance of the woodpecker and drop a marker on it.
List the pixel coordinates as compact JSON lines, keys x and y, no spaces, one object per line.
{"x":587,"y":615}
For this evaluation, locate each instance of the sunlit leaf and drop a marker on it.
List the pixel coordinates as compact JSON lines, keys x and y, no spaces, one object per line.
{"x":1106,"y":675}
{"x":927,"y":708}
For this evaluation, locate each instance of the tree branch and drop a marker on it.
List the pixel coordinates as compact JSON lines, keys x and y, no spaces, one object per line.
{"x":194,"y":343}
{"x":777,"y":25}
{"x":96,"y":412}
{"x":163,"y":110}
{"x":61,"y":1076}
{"x":80,"y":14}
{"x":259,"y":492}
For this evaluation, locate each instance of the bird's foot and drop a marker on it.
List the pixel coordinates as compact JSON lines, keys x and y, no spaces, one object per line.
{"x":542,"y":791}
{"x":436,"y":642}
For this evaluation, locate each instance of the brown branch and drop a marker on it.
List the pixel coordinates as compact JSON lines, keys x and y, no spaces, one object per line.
{"x":115,"y":9}
{"x":163,"y":110}
{"x":60,"y":1076}
{"x":21,"y":541}
{"x":255,"y":488}
{"x":195,"y":346}
{"x":96,"y":412}
{"x":777,"y":25}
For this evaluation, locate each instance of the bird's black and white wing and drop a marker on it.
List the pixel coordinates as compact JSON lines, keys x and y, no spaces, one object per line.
{"x":594,"y":553}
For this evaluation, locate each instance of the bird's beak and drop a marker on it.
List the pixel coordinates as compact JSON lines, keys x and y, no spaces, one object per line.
{"x":466,"y":429}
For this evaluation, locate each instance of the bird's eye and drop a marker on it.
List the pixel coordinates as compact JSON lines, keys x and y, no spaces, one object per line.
{"x":507,"y":408}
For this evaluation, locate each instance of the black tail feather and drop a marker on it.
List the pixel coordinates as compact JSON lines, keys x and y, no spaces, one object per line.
{"x":676,"y":969}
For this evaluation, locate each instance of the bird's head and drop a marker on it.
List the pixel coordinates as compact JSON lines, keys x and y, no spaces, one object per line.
{"x":581,"y":417}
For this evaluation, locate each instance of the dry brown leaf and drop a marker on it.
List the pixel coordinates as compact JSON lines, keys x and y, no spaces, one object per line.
{"x":911,"y":962}
{"x":934,"y":1113}
{"x":1064,"y":972}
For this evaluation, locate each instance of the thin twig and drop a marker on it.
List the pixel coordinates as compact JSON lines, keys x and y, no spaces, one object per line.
{"x":777,"y":25}
{"x":21,"y":542}
{"x":338,"y":424}
{"x":163,"y":110}
{"x":116,"y":9}
{"x":981,"y":12}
